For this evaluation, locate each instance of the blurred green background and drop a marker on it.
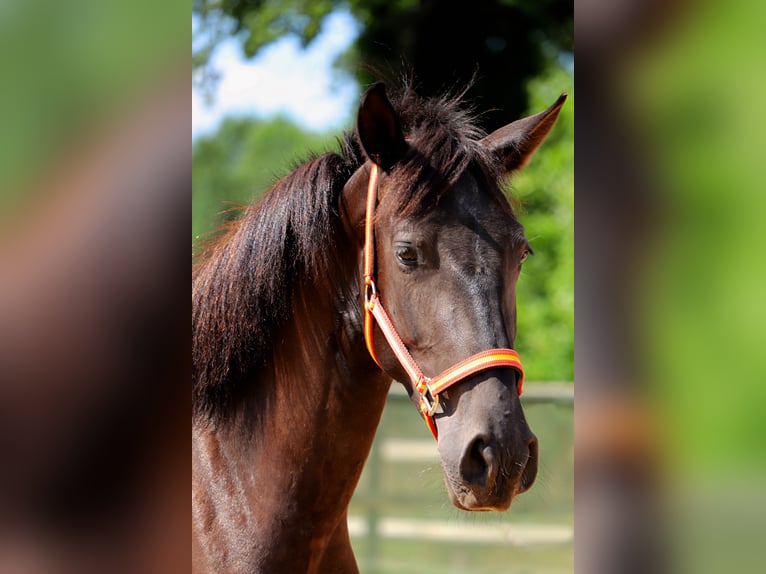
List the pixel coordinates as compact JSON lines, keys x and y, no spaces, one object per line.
{"x":707,"y":148}
{"x":68,"y":69}
{"x":697,"y":95}
{"x":676,"y":92}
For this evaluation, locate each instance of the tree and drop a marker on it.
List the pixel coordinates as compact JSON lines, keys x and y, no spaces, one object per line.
{"x":544,"y":190}
{"x":502,"y":44}
{"x":241,"y":160}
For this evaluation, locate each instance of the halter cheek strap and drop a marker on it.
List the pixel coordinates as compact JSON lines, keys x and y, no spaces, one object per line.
{"x":428,"y":388}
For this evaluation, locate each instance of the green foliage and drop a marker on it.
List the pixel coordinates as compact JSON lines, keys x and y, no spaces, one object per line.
{"x":500,"y":44}
{"x":256,"y":22}
{"x":243,"y":159}
{"x":545,"y":190}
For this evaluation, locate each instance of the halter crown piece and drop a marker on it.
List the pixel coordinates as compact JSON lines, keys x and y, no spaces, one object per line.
{"x":428,"y":388}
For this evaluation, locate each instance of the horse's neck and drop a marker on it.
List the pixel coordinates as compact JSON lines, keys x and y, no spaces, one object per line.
{"x":327,"y":395}
{"x":289,"y":475}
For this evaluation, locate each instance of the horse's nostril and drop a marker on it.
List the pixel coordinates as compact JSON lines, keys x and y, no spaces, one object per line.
{"x":478,"y":465}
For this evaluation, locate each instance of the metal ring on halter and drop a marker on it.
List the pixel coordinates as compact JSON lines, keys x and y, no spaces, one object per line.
{"x":434,"y":402}
{"x":369,"y":292}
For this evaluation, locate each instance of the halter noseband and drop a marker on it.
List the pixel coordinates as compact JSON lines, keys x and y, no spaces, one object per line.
{"x":428,"y":388}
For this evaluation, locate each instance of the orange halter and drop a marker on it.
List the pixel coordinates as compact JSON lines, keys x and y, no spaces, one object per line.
{"x":428,"y":388}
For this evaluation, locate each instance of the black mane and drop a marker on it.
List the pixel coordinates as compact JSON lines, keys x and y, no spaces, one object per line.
{"x":243,"y":283}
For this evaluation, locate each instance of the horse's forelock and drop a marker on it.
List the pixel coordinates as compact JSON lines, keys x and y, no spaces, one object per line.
{"x":444,"y":143}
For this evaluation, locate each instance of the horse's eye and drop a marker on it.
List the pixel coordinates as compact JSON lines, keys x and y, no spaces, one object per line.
{"x":527,"y":252}
{"x":407,"y":255}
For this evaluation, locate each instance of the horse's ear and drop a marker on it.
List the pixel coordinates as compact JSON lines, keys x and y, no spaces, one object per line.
{"x":515,"y":143}
{"x":379,"y":129}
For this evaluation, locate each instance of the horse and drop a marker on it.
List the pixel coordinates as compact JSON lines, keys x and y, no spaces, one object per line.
{"x":384,"y":261}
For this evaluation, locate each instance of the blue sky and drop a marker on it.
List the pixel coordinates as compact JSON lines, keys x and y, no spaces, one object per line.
{"x":283,"y":79}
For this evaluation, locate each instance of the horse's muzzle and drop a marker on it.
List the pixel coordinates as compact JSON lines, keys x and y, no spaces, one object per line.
{"x":488,"y":478}
{"x":489,"y":454}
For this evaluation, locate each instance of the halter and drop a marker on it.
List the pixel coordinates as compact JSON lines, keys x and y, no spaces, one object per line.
{"x":427,"y":388}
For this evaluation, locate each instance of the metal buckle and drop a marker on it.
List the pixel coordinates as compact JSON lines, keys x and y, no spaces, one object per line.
{"x":370,"y":292}
{"x":430,"y":409}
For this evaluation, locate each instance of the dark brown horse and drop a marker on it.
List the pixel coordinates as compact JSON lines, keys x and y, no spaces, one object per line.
{"x":287,"y":397}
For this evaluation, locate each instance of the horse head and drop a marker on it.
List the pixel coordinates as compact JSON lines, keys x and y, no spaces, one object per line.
{"x":448,"y":250}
